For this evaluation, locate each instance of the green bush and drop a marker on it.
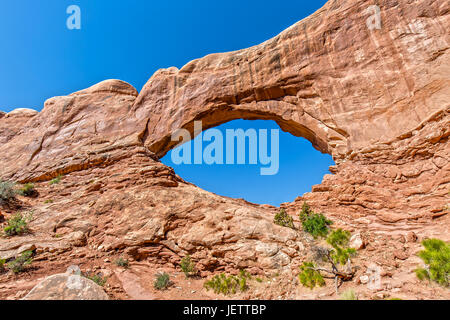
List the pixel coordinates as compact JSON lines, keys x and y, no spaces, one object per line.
{"x":27,"y":190}
{"x":7,"y":191}
{"x":18,"y":224}
{"x":162,"y":281}
{"x":283,"y":219}
{"x":2,"y":265}
{"x":121,"y":262}
{"x":187,"y":266}
{"x":55,"y":180}
{"x":97,"y":278}
{"x":315,"y":224}
{"x":339,"y":239}
{"x":309,"y":276}
{"x":20,"y":264}
{"x":223,"y":284}
{"x":437,"y":258}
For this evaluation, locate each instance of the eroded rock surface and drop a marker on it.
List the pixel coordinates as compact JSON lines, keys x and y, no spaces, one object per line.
{"x":11,"y":123}
{"x":67,"y":286}
{"x":377,"y":100}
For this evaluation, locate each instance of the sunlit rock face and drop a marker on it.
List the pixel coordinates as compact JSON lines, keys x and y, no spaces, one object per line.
{"x":376,"y":100}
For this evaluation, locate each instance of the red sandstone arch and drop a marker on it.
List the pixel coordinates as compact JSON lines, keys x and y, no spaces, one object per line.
{"x":221,"y":116}
{"x":376,"y":100}
{"x":329,"y":78}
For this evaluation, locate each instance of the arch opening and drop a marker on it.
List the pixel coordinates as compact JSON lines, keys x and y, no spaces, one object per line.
{"x":300,"y":165}
{"x":287,"y":116}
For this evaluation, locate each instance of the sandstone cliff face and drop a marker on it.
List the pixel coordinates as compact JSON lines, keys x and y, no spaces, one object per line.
{"x":72,"y":133}
{"x":377,"y":100}
{"x":116,"y":195}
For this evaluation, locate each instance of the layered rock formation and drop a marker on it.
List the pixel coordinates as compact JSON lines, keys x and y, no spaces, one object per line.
{"x":11,"y":123}
{"x":376,"y":100}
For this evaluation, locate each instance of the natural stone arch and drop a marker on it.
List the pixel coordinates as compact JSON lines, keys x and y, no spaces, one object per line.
{"x":306,"y":127}
{"x":369,"y":98}
{"x":328,"y":73}
{"x":381,"y":96}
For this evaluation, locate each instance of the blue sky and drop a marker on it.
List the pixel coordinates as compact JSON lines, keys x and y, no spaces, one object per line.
{"x":130,"y":40}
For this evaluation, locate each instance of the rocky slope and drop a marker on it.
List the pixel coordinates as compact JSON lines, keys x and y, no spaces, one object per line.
{"x":377,"y":100}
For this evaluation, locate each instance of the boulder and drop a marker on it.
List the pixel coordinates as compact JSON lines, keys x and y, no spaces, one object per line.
{"x":67,"y":286}
{"x":357,"y":242}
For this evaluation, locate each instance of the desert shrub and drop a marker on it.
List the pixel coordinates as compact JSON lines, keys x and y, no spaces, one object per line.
{"x":349,"y":295}
{"x":341,"y":253}
{"x":27,"y":190}
{"x":7,"y":191}
{"x":315,"y":224}
{"x":187,"y":266}
{"x":55,"y":180}
{"x":437,"y":259}
{"x":283,"y":219}
{"x":18,"y":224}
{"x":223,"y":284}
{"x":162,"y":281}
{"x":20,"y":264}
{"x":97,"y":278}
{"x":121,"y":262}
{"x":309,"y":276}
{"x":2,"y":265}
{"x":48,"y":201}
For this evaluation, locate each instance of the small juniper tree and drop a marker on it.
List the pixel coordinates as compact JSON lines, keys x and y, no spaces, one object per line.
{"x":283,"y":219}
{"x":437,"y":259}
{"x":309,"y":276}
{"x":312,"y":275}
{"x":223,"y":284}
{"x":315,"y":224}
{"x":339,"y":240}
